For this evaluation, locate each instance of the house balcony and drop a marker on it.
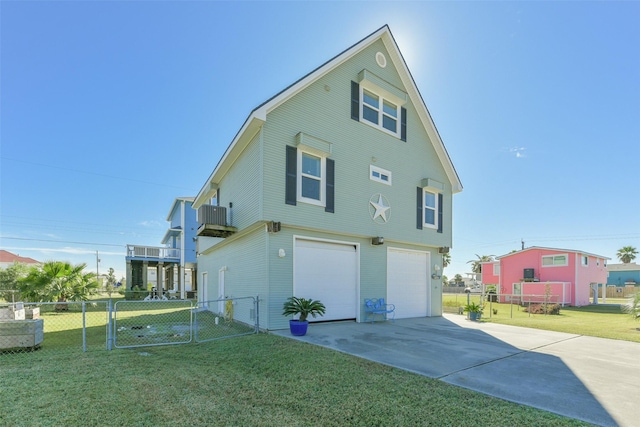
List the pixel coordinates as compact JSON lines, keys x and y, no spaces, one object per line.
{"x":212,"y":222}
{"x":152,"y":253}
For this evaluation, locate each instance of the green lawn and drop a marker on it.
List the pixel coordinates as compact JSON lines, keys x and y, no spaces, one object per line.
{"x":604,"y":321}
{"x":261,"y":380}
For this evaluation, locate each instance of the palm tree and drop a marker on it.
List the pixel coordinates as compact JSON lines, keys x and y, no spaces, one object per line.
{"x":58,"y":281}
{"x":476,"y":264}
{"x":627,"y":254}
{"x":446,"y":260}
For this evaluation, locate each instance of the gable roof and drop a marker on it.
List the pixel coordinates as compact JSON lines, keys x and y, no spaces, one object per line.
{"x":551,"y":249}
{"x":176,"y":202}
{"x":8,"y":257}
{"x":259,"y":115}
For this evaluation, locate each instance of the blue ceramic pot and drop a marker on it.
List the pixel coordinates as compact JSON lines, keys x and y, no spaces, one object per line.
{"x":298,"y":328}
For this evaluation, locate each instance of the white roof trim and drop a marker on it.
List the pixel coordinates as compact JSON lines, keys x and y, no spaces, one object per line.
{"x":260,"y":113}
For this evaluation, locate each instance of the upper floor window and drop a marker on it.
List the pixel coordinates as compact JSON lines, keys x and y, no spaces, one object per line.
{"x":585,"y":260}
{"x":496,"y":269}
{"x":380,"y":175}
{"x":555,"y":260}
{"x":380,"y":104}
{"x":380,"y":112}
{"x":311,"y":175}
{"x":430,"y":207}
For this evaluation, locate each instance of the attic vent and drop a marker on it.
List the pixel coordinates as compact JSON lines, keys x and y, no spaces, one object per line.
{"x":381,"y":59}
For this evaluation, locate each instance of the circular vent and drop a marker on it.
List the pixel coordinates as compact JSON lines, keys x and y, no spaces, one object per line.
{"x":381,"y":59}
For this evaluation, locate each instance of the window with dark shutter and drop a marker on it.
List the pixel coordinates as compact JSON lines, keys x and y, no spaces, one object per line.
{"x":330,"y":165}
{"x":403,"y":124}
{"x":419,"y":219}
{"x":355,"y":101}
{"x":291,"y":178}
{"x":439,"y":213}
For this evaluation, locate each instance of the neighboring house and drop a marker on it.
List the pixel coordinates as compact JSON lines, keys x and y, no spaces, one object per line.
{"x":338,"y":188}
{"x":7,"y":259}
{"x":172,"y":265}
{"x":525,"y":275}
{"x":623,"y":274}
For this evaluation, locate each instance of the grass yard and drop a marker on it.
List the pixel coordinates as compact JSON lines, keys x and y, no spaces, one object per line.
{"x":261,"y":380}
{"x":604,"y":321}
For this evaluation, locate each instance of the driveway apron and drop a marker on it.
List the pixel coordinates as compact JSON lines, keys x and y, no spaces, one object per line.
{"x":590,"y":379}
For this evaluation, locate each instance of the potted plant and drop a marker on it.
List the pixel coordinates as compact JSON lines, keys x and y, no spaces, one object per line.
{"x":302,"y":308}
{"x":474,"y":310}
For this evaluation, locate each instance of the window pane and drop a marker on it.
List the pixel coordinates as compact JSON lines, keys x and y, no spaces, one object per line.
{"x":385,"y":178}
{"x":311,"y":165}
{"x":390,"y":109}
{"x":430,"y":200}
{"x":370,"y":114}
{"x":376,"y":174}
{"x":560,"y":260}
{"x":389,"y":123}
{"x":429,"y":216}
{"x":547,"y":260}
{"x":310,"y":188}
{"x":370,"y":98}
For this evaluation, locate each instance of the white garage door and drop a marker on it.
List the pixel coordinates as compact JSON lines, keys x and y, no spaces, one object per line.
{"x":407,"y":282}
{"x":327,"y":272}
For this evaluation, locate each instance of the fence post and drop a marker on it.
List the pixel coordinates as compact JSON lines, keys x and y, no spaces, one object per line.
{"x":84,"y":327}
{"x":256,"y":303}
{"x":109,"y":326}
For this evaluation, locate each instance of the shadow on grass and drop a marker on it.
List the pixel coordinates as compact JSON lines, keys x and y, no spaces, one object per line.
{"x":470,"y":358}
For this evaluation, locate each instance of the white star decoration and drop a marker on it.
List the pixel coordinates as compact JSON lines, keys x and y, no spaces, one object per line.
{"x":381,"y":208}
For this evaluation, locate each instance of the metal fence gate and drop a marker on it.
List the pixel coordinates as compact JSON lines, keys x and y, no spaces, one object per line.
{"x":105,"y":325}
{"x":158,"y":322}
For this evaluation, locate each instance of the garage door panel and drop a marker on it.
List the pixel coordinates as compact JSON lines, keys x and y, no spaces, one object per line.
{"x":327,"y":272}
{"x":407,"y":282}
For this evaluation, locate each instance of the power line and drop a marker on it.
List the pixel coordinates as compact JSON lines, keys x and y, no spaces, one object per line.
{"x":61,"y":241}
{"x":94,"y":173}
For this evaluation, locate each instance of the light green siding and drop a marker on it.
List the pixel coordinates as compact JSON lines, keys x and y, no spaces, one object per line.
{"x":241,"y":186}
{"x":322,"y":110}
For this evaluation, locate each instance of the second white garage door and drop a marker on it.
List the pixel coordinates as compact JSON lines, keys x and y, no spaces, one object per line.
{"x":407,"y":282}
{"x":328,"y":272}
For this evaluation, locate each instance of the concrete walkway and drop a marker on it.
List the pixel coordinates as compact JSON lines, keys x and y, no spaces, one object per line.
{"x":591,"y":379}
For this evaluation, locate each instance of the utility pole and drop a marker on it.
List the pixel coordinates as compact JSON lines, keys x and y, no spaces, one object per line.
{"x":97,"y":264}
{"x":522,"y":241}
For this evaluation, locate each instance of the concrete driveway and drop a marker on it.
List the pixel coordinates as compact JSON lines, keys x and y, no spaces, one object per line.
{"x":591,"y":379}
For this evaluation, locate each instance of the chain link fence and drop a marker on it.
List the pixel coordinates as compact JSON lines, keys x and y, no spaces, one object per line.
{"x":103,"y":325}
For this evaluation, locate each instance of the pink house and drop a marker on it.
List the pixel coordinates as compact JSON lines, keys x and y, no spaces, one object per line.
{"x":528,"y":274}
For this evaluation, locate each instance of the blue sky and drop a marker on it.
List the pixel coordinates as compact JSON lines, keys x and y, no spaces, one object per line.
{"x":110,"y":110}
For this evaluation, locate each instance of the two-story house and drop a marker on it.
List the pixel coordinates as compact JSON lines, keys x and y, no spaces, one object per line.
{"x":563,"y":276}
{"x":173,"y":267}
{"x":338,"y":188}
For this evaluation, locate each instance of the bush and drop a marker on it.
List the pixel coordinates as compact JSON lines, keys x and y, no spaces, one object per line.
{"x":540,"y":309}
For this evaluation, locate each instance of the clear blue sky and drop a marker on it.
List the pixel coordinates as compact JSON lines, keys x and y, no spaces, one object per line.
{"x":110,"y":110}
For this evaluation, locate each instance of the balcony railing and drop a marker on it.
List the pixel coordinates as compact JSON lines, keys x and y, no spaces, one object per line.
{"x":212,"y":222}
{"x":135,"y":251}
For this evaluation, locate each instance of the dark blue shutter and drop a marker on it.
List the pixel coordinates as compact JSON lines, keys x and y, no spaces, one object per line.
{"x":419,"y":218}
{"x":292,"y":175}
{"x":403,"y":124}
{"x":439,"y":212}
{"x":329,"y":206}
{"x":218,"y":197}
{"x":355,"y":101}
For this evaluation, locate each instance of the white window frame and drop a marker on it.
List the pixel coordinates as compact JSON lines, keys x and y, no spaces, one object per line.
{"x":496,"y":269}
{"x":584,"y":260}
{"x":435,"y":208}
{"x":374,"y":170}
{"x":381,"y":113}
{"x":553,"y":264}
{"x":322,"y":179}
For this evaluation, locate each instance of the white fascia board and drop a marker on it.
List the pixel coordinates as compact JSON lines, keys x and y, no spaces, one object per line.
{"x":423,"y":111}
{"x":253,"y":124}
